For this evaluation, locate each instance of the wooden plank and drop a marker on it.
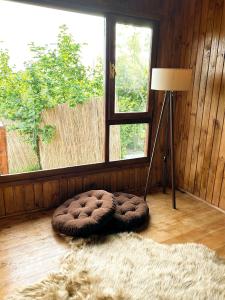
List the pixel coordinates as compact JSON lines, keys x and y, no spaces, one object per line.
{"x":132,"y":180}
{"x":137,"y":180}
{"x":38,"y":195}
{"x":51,"y":193}
{"x":99,"y":181}
{"x":165,"y":42}
{"x":19,"y":198}
{"x":187,"y":115}
{"x":208,"y":95}
{"x":143,"y":177}
{"x":201,"y":94}
{"x":90,"y":182}
{"x":2,"y":204}
{"x":179,"y":51}
{"x":47,"y":190}
{"x":9,"y":200}
{"x":71,"y":187}
{"x":183,"y":101}
{"x":218,"y":196}
{"x":197,"y":78}
{"x":29,"y":197}
{"x":114,"y":182}
{"x":55,"y":193}
{"x":120,"y":181}
{"x":78,"y":185}
{"x":75,"y":186}
{"x":107,"y":181}
{"x":221,"y":203}
{"x":63,"y":183}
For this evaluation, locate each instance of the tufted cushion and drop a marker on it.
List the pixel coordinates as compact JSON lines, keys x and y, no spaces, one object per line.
{"x":131,"y":212}
{"x":84,"y":214}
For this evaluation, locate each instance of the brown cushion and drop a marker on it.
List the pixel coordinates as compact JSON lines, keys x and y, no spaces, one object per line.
{"x":131,"y":212}
{"x":84,"y":214}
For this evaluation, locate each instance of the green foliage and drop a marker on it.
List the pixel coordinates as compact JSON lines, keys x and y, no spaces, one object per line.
{"x":132,"y":90}
{"x":48,"y":133}
{"x":132,"y":138}
{"x":132,"y":77}
{"x":57,"y":76}
{"x":52,"y":77}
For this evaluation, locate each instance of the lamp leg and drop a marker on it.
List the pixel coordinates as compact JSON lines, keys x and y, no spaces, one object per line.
{"x":166,"y":150}
{"x":154,"y":144}
{"x":172,"y":150}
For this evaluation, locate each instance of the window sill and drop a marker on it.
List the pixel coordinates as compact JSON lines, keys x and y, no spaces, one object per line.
{"x":72,"y":171}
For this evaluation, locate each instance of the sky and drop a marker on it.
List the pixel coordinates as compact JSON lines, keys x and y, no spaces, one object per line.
{"x":21,"y":24}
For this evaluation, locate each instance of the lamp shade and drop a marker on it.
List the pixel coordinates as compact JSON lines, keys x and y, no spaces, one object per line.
{"x":171,"y":79}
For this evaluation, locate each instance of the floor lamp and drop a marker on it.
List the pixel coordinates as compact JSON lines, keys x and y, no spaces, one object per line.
{"x":170,"y":81}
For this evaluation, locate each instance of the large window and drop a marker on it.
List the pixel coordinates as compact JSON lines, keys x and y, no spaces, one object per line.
{"x":74,"y":88}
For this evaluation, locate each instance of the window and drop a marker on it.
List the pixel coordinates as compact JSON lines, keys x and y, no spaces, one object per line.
{"x":52,"y":98}
{"x":131,"y":58}
{"x":133,"y":141}
{"x":132,"y":61}
{"x":74,"y":88}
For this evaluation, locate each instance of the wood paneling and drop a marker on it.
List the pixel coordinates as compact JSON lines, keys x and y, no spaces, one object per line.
{"x":2,"y":204}
{"x":200,"y":134}
{"x":17,"y":198}
{"x":166,"y":57}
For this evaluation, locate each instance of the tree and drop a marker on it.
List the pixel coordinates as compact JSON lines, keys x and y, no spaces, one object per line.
{"x":132,"y":88}
{"x":57,"y":75}
{"x":52,"y":77}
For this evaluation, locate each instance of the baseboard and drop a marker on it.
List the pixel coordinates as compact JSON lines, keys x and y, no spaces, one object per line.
{"x":200,"y":199}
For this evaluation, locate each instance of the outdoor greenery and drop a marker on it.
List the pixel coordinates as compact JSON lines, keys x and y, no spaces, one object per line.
{"x":131,"y":85}
{"x":52,"y":77}
{"x":132,"y":75}
{"x":56,"y":76}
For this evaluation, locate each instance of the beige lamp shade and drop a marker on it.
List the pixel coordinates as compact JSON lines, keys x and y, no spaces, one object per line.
{"x":171,"y":79}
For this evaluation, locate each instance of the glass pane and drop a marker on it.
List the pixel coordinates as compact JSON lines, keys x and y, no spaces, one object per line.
{"x":128,"y":141}
{"x":51,"y":88}
{"x":133,"y":52}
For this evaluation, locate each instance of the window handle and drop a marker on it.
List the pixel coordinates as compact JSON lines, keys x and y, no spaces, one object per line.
{"x":112,"y":70}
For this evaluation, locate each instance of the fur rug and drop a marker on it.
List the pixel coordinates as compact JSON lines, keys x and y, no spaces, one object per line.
{"x":127,"y":266}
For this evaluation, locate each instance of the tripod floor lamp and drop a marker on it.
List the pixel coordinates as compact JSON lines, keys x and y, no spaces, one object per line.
{"x":170,"y":81}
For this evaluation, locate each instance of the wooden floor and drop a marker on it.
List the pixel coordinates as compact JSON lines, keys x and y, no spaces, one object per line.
{"x":29,"y":249}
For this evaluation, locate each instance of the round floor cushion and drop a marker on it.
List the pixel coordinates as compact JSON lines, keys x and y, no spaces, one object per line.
{"x":131,"y":212}
{"x":84,"y":214}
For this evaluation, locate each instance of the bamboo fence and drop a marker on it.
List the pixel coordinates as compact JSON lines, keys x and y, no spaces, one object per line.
{"x":79,"y":139}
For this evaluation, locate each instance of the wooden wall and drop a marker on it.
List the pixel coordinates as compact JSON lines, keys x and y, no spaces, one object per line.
{"x":192,"y":34}
{"x":31,"y":195}
{"x":200,"y":114}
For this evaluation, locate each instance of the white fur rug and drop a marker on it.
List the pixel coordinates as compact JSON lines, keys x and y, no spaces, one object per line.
{"x":127,"y":266}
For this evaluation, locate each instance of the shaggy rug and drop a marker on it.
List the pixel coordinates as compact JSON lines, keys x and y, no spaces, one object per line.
{"x":127,"y":266}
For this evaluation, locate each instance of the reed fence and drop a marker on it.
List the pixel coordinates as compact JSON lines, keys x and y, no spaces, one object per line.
{"x":79,"y":139}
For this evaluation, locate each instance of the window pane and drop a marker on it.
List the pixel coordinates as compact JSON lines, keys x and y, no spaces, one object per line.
{"x":133,"y":52}
{"x":51,"y":88}
{"x":128,"y":141}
